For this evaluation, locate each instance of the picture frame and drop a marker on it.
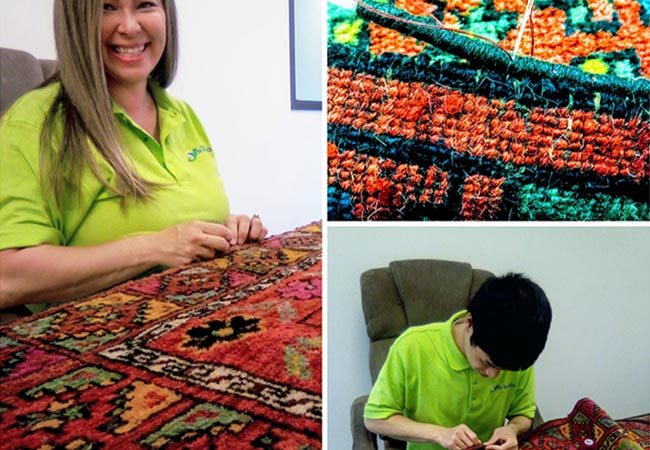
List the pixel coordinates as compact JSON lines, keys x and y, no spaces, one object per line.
{"x":305,"y":50}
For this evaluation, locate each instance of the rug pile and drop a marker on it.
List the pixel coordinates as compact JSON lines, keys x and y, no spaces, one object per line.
{"x":220,"y":354}
{"x":425,"y":123}
{"x":589,"y":421}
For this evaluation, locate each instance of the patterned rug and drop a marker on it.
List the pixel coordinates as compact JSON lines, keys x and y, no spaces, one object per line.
{"x":223,"y":354}
{"x":425,"y":123}
{"x":589,"y":421}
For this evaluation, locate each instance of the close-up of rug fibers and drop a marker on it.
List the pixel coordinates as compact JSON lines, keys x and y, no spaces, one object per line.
{"x":482,"y":110}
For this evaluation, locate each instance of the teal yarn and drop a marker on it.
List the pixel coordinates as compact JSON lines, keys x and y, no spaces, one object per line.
{"x":560,"y":205}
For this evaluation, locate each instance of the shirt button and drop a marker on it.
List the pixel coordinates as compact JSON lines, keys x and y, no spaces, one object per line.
{"x":146,"y":139}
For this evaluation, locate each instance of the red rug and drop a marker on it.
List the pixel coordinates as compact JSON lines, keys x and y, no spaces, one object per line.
{"x":590,"y":421}
{"x":222,"y":354}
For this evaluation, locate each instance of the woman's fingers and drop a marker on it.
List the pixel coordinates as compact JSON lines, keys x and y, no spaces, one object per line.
{"x":245,"y":229}
{"x":257,"y":229}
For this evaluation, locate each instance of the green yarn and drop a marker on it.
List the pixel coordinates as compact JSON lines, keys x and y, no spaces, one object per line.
{"x":347,"y":32}
{"x":578,"y":14}
{"x":495,"y":30}
{"x":538,"y":203}
{"x":624,"y":69}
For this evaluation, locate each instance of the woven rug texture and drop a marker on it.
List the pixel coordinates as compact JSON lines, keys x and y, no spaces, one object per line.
{"x":222,"y":354}
{"x":589,"y":421}
{"x":431,"y":115}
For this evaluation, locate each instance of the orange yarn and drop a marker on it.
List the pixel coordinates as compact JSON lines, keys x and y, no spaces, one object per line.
{"x":384,"y":40}
{"x":553,"y":137}
{"x":602,"y":10}
{"x":380,"y":186}
{"x":510,"y":5}
{"x":462,"y":6}
{"x":416,"y":7}
{"x":551,"y":43}
{"x":481,"y":197}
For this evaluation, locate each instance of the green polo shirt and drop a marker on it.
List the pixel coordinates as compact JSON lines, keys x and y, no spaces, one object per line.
{"x":426,"y":378}
{"x":182,"y":163}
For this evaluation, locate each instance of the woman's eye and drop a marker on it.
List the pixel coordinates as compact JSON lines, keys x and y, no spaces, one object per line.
{"x":147,"y":5}
{"x":109,"y":7}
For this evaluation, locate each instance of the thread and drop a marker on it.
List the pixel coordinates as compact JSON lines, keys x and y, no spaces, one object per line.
{"x":527,"y":17}
{"x":440,"y":25}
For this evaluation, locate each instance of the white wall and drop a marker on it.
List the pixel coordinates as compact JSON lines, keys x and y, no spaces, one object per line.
{"x":234,"y":71}
{"x":597,"y":279}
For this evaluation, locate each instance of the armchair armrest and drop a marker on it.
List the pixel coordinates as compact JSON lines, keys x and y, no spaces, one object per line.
{"x":538,"y":420}
{"x":362,"y":439}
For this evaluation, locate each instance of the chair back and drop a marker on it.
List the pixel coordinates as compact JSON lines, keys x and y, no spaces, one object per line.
{"x":413,"y":292}
{"x":21,"y":72}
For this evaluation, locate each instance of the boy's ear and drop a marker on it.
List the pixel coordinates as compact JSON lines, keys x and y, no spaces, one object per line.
{"x":469,"y":321}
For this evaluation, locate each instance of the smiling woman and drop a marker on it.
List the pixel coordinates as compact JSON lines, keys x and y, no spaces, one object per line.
{"x":95,"y":176}
{"x":133,"y":39}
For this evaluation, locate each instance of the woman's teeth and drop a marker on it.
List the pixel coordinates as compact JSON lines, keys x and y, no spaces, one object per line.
{"x":129,"y":50}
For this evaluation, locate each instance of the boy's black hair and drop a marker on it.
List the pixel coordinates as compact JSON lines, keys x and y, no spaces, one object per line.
{"x":511,"y":317}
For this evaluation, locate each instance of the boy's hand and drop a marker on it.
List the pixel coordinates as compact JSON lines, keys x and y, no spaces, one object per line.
{"x":503,"y":438}
{"x":459,"y":438}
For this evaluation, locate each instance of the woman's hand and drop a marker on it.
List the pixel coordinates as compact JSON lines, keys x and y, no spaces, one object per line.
{"x":245,"y":229}
{"x":52,"y":273}
{"x":191,"y":241}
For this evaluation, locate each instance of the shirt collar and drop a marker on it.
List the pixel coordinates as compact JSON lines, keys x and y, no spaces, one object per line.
{"x":168,"y":113}
{"x":455,"y":358}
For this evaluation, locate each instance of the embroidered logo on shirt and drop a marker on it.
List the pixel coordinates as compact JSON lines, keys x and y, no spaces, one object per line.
{"x":498,"y":387}
{"x":194,"y":154}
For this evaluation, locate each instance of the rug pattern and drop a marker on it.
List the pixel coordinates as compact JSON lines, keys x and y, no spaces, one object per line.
{"x":428,"y":124}
{"x":589,"y":421}
{"x":220,"y":354}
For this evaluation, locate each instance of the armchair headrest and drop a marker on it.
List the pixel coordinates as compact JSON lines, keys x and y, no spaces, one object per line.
{"x":415,"y":292}
{"x":20,"y":72}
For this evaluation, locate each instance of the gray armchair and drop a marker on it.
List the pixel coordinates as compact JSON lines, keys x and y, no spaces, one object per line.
{"x":19,"y":73}
{"x":404,"y":294}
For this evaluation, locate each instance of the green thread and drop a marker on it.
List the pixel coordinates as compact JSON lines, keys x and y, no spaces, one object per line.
{"x":596,"y":101}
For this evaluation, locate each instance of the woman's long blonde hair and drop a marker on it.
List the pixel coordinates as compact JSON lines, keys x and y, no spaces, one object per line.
{"x":84,"y":103}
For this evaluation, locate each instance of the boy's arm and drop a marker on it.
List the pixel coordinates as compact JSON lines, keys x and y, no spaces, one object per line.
{"x":399,"y":427}
{"x":520,"y":424}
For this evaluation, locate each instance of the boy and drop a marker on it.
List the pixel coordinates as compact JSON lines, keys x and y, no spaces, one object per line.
{"x":453,"y":384}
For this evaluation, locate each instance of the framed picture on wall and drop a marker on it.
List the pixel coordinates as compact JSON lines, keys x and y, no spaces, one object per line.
{"x":305,"y":48}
